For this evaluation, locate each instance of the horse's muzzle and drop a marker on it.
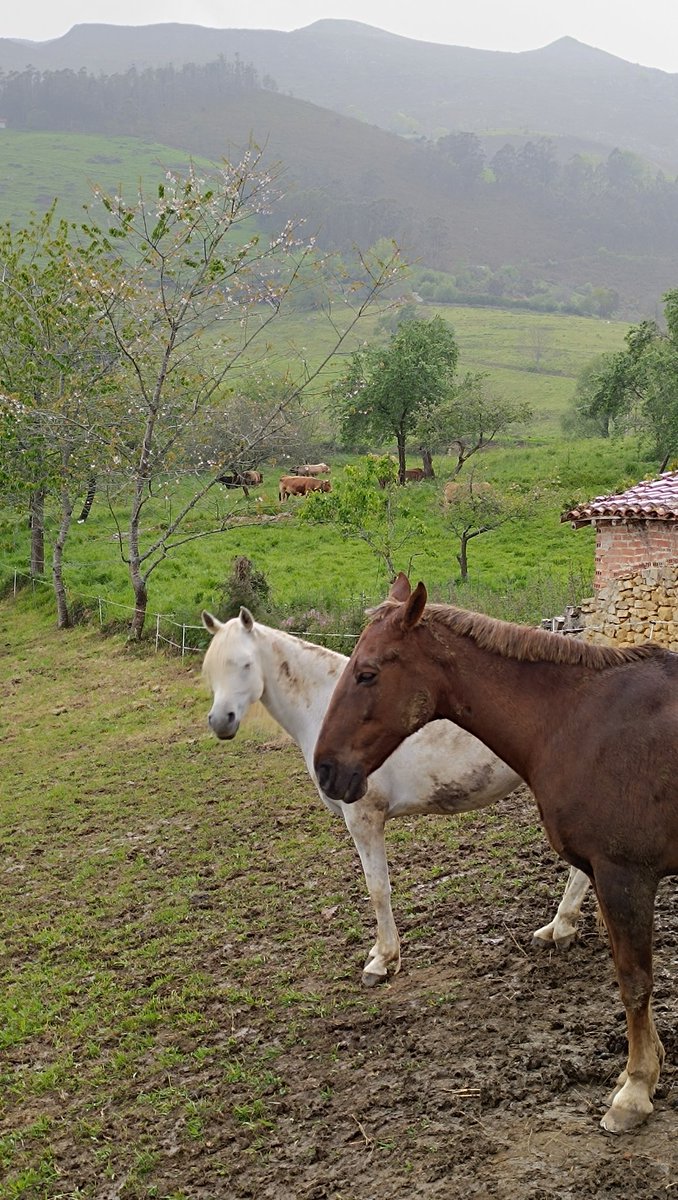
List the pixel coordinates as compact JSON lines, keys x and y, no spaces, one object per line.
{"x":341,"y":782}
{"x":224,"y":726}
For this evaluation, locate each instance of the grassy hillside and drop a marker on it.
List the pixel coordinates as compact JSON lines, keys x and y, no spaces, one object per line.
{"x":523,"y":571}
{"x":36,"y":168}
{"x":355,"y":183}
{"x":533,"y":357}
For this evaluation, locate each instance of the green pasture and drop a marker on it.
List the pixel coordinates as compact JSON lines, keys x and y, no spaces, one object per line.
{"x":523,"y":571}
{"x":528,"y":357}
{"x":37,"y":168}
{"x":159,"y":893}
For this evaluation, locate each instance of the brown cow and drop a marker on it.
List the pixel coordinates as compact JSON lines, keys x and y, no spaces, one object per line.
{"x":313,"y":469}
{"x":454,"y":490}
{"x":412,"y":475}
{"x":243,"y":479}
{"x":300,"y":485}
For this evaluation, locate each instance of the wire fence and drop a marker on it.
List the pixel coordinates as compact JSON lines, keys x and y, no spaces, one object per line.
{"x":179,"y":636}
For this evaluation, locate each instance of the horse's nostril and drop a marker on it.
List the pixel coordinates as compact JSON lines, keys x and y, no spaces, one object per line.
{"x":324,"y":773}
{"x":231,"y":718}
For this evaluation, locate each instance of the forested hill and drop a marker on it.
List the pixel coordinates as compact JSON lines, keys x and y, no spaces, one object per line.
{"x":566,"y":89}
{"x":509,"y":217}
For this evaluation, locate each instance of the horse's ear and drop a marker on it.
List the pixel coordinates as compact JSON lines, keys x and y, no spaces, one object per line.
{"x":247,"y":619}
{"x":400,"y":588}
{"x":414,"y":607}
{"x":211,"y":623}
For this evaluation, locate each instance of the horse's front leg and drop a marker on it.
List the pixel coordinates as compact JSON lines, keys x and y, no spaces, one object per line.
{"x":627,"y":902}
{"x":562,"y":930}
{"x":365,"y":822}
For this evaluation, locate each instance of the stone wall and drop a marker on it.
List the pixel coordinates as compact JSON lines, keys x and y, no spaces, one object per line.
{"x":637,"y":607}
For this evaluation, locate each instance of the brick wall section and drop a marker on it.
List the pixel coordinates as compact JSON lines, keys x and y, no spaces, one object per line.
{"x":636,"y":607}
{"x":625,"y":548}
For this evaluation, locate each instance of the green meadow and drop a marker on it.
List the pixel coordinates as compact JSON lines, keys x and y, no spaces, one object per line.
{"x":36,"y":168}
{"x":524,"y":571}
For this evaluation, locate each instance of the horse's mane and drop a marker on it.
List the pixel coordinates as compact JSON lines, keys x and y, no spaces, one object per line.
{"x":523,"y":642}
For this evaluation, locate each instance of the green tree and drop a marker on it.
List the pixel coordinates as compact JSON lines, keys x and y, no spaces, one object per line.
{"x":635,"y":388}
{"x":471,"y":418}
{"x":55,"y":367}
{"x":471,"y":508}
{"x":602,"y":396}
{"x":191,"y":291}
{"x":386,"y":389}
{"x":367,"y":504}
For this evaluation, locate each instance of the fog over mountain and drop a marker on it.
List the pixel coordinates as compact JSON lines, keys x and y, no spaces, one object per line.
{"x":569,"y":177}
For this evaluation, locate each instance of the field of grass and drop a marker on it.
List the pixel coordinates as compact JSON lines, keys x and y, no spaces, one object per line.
{"x":528,"y":357}
{"x":523,"y":571}
{"x":37,"y":167}
{"x":182,"y":931}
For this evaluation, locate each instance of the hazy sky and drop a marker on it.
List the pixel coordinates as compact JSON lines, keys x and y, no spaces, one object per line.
{"x":646,"y":33}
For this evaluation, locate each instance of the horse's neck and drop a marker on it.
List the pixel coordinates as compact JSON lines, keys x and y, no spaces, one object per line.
{"x":509,"y":704}
{"x":298,"y":682}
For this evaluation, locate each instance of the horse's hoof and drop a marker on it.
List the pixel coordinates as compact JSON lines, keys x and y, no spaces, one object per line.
{"x":371,"y":979}
{"x":622,"y":1120}
{"x":542,"y":940}
{"x":564,"y":943}
{"x":542,"y":943}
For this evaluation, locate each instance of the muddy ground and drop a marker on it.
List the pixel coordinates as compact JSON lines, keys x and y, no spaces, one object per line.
{"x":185,"y":928}
{"x":481,"y":1072}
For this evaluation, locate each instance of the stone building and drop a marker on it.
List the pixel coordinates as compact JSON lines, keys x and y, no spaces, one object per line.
{"x":636,"y":580}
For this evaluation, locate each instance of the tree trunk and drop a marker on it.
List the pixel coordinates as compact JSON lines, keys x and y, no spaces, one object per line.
{"x":89,"y":500}
{"x":427,"y":460}
{"x":136,"y":628}
{"x":462,"y":557}
{"x":402,"y":462}
{"x":137,"y":579}
{"x":63,"y":615}
{"x":37,"y":526}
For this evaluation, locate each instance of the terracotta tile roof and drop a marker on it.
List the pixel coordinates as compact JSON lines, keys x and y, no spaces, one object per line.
{"x":651,"y":500}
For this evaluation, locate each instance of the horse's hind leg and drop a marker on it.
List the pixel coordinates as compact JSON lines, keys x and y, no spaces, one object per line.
{"x":627,"y":899}
{"x":562,"y":930}
{"x":365,"y":822}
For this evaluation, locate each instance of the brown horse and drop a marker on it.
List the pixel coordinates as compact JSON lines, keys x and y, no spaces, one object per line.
{"x":592,"y":730}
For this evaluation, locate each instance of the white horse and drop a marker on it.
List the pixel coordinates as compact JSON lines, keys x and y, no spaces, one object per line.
{"x":440,"y":769}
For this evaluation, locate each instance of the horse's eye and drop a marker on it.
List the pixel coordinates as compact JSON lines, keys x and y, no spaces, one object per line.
{"x":366,"y":676}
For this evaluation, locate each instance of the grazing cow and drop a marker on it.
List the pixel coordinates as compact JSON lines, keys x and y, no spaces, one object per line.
{"x":241,"y":479}
{"x":313,"y":469}
{"x":300,"y":485}
{"x":232,"y":479}
{"x":412,"y":475}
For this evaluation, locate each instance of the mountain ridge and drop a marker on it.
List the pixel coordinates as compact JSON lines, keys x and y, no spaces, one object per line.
{"x":565,"y":88}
